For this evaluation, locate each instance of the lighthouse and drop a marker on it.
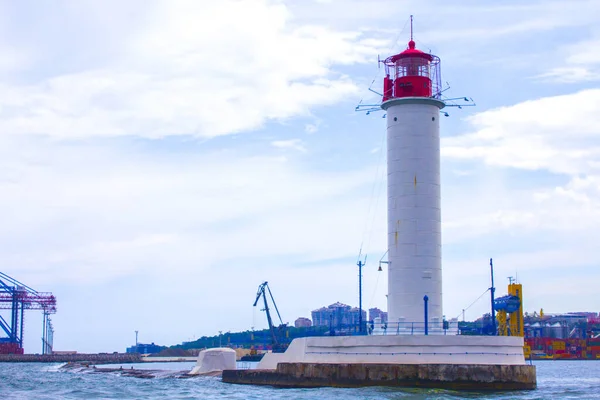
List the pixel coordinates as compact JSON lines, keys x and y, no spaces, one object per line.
{"x":406,"y":351}
{"x":411,"y":99}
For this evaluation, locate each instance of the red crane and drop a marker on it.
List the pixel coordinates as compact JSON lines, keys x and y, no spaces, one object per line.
{"x":18,"y":297}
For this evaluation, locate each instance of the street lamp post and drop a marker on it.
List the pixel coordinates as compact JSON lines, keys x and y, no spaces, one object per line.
{"x":360,"y":321}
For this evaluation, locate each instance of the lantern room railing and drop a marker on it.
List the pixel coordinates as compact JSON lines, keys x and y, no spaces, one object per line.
{"x":415,"y":75}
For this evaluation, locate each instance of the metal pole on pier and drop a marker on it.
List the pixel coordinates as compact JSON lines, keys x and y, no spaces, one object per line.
{"x":360,"y":321}
{"x":492,"y":289}
{"x":426,"y":300}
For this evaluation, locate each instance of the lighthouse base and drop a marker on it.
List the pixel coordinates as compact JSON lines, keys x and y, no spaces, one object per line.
{"x":453,"y":362}
{"x":445,"y":376}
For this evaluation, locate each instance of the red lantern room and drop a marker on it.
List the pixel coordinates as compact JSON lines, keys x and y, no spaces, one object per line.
{"x":411,"y":73}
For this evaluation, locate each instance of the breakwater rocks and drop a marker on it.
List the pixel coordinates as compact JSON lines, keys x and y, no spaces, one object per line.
{"x":81,"y":358}
{"x":85,"y":368}
{"x":446,"y":376}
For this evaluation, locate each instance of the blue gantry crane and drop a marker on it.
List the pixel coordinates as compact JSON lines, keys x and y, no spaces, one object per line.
{"x":18,"y":297}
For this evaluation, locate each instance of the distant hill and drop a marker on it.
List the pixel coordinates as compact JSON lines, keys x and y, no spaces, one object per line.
{"x":257,"y":339}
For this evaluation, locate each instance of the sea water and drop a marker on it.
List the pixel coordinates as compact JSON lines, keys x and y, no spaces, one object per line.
{"x":556,"y":380}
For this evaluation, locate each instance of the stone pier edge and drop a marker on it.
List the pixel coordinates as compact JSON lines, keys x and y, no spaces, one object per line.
{"x":444,"y":376}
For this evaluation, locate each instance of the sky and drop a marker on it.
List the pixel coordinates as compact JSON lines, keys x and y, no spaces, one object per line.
{"x":161,"y":159}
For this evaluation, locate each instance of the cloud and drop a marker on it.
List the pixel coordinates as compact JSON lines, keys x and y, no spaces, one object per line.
{"x":570,"y":74}
{"x":172,"y":75}
{"x":558,"y":134}
{"x":108,"y":212}
{"x":533,"y":198}
{"x":311,"y":128}
{"x":295,"y":144}
{"x":135,"y":227}
{"x":580,"y":62}
{"x":553,"y":135}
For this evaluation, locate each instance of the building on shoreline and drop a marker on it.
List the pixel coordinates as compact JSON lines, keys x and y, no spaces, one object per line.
{"x":142,"y":348}
{"x":377,"y":313}
{"x":303,"y":322}
{"x":338,"y":316}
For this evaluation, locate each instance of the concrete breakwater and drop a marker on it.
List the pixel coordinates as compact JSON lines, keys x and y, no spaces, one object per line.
{"x":446,"y":376}
{"x":81,"y":358}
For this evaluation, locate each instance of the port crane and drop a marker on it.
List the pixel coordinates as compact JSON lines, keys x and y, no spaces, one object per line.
{"x":263,"y":288}
{"x":18,"y":297}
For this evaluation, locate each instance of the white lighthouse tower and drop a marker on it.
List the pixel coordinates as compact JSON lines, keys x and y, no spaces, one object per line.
{"x":411,"y":99}
{"x":406,"y":351}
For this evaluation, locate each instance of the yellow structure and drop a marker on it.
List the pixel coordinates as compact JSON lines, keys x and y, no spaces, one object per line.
{"x":509,"y":314}
{"x":516,"y":318}
{"x":510,"y":322}
{"x":502,"y":325}
{"x":526,"y":351}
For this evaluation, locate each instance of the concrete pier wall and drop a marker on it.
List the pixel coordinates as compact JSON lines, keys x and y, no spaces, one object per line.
{"x":401,"y":349}
{"x":447,"y":376}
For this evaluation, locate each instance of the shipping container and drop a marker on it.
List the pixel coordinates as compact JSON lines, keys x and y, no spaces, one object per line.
{"x":558,"y":345}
